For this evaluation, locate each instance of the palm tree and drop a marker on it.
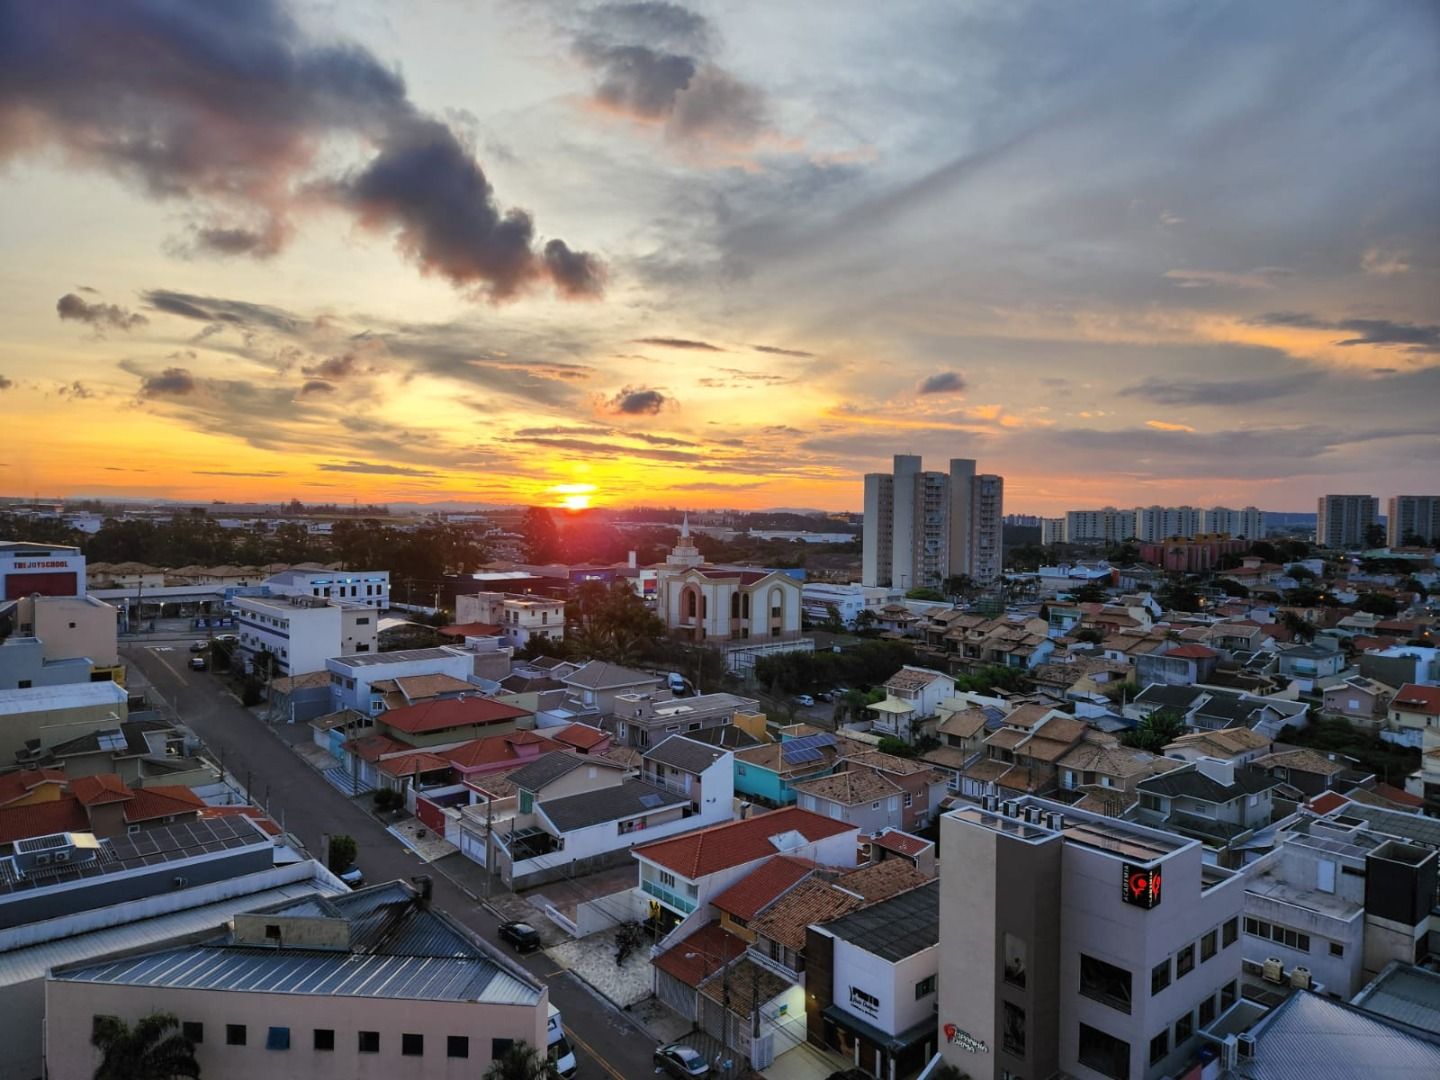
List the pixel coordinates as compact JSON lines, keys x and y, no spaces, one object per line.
{"x":521,"y":1062}
{"x":151,"y":1049}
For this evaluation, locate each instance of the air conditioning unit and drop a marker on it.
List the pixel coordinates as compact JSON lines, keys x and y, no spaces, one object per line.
{"x":1245,"y":1045}
{"x":62,"y":856}
{"x":990,"y":802}
{"x":1274,"y":970}
{"x":1009,"y":808}
{"x":42,"y":859}
{"x":1300,"y":978}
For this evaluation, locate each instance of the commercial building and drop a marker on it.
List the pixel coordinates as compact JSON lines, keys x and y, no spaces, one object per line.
{"x":35,"y":718}
{"x":302,"y":632}
{"x":374,"y":983}
{"x":71,"y":628}
{"x":922,"y":527}
{"x":369,"y":588}
{"x":822,"y":599}
{"x":1078,"y":944}
{"x":1343,"y":520}
{"x":47,"y":569}
{"x":1412,"y":517}
{"x":521,"y":617}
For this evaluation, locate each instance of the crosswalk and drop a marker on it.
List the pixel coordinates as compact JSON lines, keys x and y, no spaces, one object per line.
{"x":340,"y":777}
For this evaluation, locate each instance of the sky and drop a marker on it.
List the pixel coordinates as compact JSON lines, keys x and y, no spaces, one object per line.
{"x":719,"y":254}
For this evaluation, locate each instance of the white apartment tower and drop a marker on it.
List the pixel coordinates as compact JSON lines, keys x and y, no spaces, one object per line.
{"x":922,"y":527}
{"x":1413,"y":515}
{"x":1155,"y":523}
{"x":1248,"y":523}
{"x":1342,"y":520}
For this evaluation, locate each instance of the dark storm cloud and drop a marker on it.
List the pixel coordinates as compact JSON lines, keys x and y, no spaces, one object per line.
{"x":227,"y":108}
{"x":373,"y":468}
{"x":637,"y":79}
{"x":337,"y":367}
{"x":659,"y":440}
{"x":944,"y":382}
{"x":777,"y":351}
{"x":172,"y":382}
{"x":1218,"y":392}
{"x":101,"y":316}
{"x":638,"y":401}
{"x":679,"y":343}
{"x":1417,"y":337}
{"x":659,"y":23}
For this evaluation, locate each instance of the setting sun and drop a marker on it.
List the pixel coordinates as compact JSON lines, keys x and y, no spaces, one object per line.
{"x":573,"y":496}
{"x":576,"y":502}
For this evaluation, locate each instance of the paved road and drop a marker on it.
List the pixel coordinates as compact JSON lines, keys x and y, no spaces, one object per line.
{"x":608,"y":1043}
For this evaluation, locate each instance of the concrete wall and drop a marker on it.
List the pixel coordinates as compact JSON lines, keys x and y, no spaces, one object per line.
{"x":71,"y":626}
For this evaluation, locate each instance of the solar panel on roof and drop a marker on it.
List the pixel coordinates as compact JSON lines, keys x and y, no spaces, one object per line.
{"x":650,"y":801}
{"x":802,"y":754}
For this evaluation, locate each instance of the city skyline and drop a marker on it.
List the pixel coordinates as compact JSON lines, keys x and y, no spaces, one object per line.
{"x":641,"y":253}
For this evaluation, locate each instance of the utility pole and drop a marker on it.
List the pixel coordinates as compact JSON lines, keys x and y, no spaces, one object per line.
{"x":489,"y":827}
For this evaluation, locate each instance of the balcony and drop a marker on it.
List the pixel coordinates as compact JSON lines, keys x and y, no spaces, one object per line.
{"x":670,"y":899}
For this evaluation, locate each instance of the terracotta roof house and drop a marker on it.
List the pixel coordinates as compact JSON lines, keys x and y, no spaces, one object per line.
{"x":449,"y":720}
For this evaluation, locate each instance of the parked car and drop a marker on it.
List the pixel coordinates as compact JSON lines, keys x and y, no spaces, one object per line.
{"x":681,"y":1061}
{"x":353,"y":877}
{"x":824,"y":695}
{"x":521,"y":935}
{"x":804,"y":699}
{"x":199,"y":645}
{"x":197,"y":663}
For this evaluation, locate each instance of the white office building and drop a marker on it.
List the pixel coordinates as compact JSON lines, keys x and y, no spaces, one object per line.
{"x":368,"y":587}
{"x":302,"y":632}
{"x":1156,"y":523}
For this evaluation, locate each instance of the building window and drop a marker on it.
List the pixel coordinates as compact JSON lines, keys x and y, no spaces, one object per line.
{"x":1104,"y":1053}
{"x":1160,"y":976}
{"x":909,"y":800}
{"x":667,"y":879}
{"x":457,"y":1046}
{"x":1159,"y":1047}
{"x":1207,"y":1011}
{"x":324,"y":1039}
{"x":1229,"y":932}
{"x":1014,"y":961}
{"x":1185,"y":961}
{"x":1336,"y":949}
{"x":1105,"y":983}
{"x":925,"y":987}
{"x":363,"y":622}
{"x":369,"y":1042}
{"x":412,"y":1044}
{"x":234,"y":1034}
{"x":192,"y":1031}
{"x":500,"y":1047}
{"x":1014,"y":1029}
{"x":1184,"y":1028}
{"x":1207,"y":946}
{"x":1228,"y":994}
{"x":278,"y":1038}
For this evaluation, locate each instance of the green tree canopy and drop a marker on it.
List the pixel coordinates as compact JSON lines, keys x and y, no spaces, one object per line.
{"x":521,"y":1062}
{"x":1160,"y":727}
{"x":150,"y":1049}
{"x":542,"y":538}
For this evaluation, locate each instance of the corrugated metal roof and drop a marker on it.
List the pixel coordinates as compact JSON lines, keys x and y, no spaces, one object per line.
{"x":1406,"y":993}
{"x":1311,"y":1036}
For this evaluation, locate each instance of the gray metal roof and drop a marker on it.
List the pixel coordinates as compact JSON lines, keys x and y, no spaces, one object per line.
{"x":896,"y":928}
{"x":1191,"y":783}
{"x":1422,"y":830}
{"x":1310,"y":1036}
{"x":630,"y":799}
{"x":602,"y":675}
{"x":685,"y":753}
{"x":398,"y":949}
{"x":402,"y":656}
{"x":1405,"y":993}
{"x":547,"y":768}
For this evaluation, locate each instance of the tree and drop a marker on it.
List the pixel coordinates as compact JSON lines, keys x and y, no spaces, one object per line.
{"x":1233,"y":588}
{"x":1178,"y":596}
{"x":151,"y":1049}
{"x":958,"y":586}
{"x":1092,"y":592}
{"x":1302,"y":628}
{"x":1300,"y":573}
{"x":1375,"y":536}
{"x":342,"y":853}
{"x":542,"y":538}
{"x":1090,"y":634}
{"x":613,"y":623}
{"x":521,"y":1062}
{"x":1159,"y":728}
{"x":1377,"y":604}
{"x":1412,"y":539}
{"x":925,"y":592}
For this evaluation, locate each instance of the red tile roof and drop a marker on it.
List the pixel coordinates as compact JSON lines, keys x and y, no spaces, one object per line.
{"x":1399,"y":796}
{"x":373,"y":747}
{"x":254,"y":813}
{"x":16,"y":785}
{"x":701,"y":954}
{"x":500,"y":749}
{"x":759,"y":888}
{"x":903,"y":842}
{"x":582,"y":736}
{"x":705,"y":851}
{"x":157,"y":802}
{"x":422,"y":761}
{"x":42,"y":819}
{"x":1193,"y":652}
{"x":1412,"y":697}
{"x":104,"y":788}
{"x":1327,"y":801}
{"x":449,"y":713}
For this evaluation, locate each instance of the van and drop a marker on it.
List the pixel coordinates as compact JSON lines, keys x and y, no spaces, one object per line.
{"x":676,"y":682}
{"x":557,"y":1046}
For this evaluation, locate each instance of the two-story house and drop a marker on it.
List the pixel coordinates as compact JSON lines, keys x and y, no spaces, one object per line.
{"x":921,"y":789}
{"x":592,"y":689}
{"x":1412,"y":710}
{"x":1107,"y":773}
{"x":1213,"y":801}
{"x":644,"y":719}
{"x":522,"y":618}
{"x":1359,"y":700}
{"x":767,"y":774}
{"x":1236,"y":745}
{"x":858,"y":797}
{"x":1308,"y":665}
{"x":962,"y":737}
{"x":912,"y":696}
{"x":703,"y":773}
{"x":1309,"y":771}
{"x":1176,"y":665}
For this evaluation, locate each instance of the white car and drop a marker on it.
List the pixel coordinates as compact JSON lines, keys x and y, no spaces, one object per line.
{"x":804,"y":699}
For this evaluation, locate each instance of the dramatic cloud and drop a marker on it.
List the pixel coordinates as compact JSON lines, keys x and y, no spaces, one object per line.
{"x":172,"y":382}
{"x":679,"y":343}
{"x":638,"y":401}
{"x":944,"y":382}
{"x":1416,"y":337}
{"x":777,"y":351}
{"x":373,"y":468}
{"x":100,"y":316}
{"x":229,"y":110}
{"x":214,"y":310}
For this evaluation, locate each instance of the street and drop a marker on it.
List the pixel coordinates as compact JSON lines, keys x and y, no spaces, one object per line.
{"x":307,"y":806}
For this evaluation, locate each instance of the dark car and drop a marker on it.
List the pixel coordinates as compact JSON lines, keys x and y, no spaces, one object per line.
{"x":197,"y":663}
{"x":682,"y":1061}
{"x":521,"y":935}
{"x":199,"y":646}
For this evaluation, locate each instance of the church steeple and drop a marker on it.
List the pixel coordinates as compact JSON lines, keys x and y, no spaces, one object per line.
{"x":685,"y":553}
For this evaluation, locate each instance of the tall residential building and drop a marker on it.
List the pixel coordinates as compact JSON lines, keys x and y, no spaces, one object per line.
{"x":1107,"y":526}
{"x":1342,"y":520}
{"x":922,"y":527}
{"x":1154,"y":523}
{"x":1247,"y":524}
{"x":1052,"y":531}
{"x":1413,"y":515}
{"x":1080,"y":945}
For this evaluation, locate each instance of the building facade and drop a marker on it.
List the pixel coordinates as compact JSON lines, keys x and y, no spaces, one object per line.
{"x":521,"y":617}
{"x":922,"y":527}
{"x":368,"y":587}
{"x":1342,"y":521}
{"x":302,"y":632}
{"x":1248,"y":523}
{"x":1107,"y":526}
{"x":47,"y":569}
{"x":1410,"y":516}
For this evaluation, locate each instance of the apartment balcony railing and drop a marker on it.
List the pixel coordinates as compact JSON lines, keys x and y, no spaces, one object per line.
{"x":666,"y":896}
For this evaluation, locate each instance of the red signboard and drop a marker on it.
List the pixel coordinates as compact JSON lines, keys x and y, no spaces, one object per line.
{"x":1141,"y":886}
{"x":52,"y":584}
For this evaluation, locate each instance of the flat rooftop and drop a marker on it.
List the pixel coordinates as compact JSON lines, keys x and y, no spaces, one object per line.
{"x":402,"y":656}
{"x":1110,"y":835}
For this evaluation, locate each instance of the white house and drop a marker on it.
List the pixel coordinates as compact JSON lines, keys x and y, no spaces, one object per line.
{"x":302,"y":632}
{"x":352,"y":677}
{"x":521,"y":617}
{"x":370,"y":588}
{"x":912,"y":696}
